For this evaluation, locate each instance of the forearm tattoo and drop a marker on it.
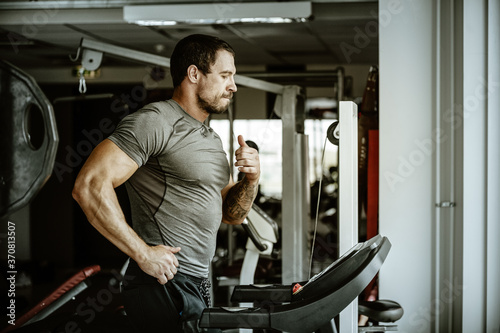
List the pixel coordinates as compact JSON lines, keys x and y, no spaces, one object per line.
{"x":239,"y":201}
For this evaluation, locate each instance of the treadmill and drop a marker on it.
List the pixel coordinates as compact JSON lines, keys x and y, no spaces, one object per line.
{"x":303,"y":306}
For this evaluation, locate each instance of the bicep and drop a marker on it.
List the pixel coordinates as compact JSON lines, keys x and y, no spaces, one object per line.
{"x":109,"y":163}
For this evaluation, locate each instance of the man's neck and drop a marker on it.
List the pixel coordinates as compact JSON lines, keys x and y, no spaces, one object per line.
{"x":190,"y":105}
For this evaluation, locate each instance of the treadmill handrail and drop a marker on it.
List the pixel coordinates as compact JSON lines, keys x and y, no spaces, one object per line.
{"x":254,"y":234}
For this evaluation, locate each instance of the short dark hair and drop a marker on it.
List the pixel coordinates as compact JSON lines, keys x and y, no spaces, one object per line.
{"x":199,"y":50}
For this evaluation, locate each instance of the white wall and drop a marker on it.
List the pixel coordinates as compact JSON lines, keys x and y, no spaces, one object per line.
{"x":474,"y":169}
{"x":439,"y":70}
{"x":493,"y":173}
{"x":406,"y":189}
{"x":480,"y":269}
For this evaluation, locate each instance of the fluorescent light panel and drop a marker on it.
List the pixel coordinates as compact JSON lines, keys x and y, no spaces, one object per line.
{"x":218,"y":13}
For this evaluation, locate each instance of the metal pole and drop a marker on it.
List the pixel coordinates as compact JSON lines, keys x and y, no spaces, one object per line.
{"x":126,"y":53}
{"x":230,"y":228}
{"x":295,"y":198}
{"x":340,"y":84}
{"x":348,"y":198}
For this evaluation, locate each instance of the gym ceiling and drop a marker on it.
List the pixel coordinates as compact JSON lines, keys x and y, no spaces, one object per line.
{"x":43,"y":34}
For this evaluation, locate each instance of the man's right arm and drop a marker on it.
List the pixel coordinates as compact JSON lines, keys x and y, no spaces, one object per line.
{"x":107,"y":168}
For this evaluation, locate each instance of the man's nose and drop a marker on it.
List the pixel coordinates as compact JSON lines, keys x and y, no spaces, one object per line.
{"x":232,"y":86}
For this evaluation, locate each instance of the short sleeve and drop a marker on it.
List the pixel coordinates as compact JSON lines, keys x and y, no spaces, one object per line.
{"x":142,"y":135}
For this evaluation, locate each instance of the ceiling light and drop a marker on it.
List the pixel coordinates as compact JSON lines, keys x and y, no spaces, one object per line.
{"x":154,"y":23}
{"x":218,"y":13}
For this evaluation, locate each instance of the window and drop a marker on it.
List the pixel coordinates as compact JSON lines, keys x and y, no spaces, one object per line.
{"x":267,"y":134}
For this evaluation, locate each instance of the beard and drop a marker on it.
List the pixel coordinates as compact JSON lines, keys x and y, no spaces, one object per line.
{"x":212,"y":107}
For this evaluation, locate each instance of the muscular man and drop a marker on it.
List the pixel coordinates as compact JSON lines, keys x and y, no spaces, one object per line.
{"x":178,"y":181}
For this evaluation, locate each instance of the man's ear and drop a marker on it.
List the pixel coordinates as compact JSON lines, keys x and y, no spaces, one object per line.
{"x":193,"y":74}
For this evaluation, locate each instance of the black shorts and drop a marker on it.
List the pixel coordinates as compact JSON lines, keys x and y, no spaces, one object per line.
{"x":174,"y":307}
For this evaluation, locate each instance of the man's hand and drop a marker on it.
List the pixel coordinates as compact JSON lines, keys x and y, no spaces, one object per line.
{"x":238,"y":198}
{"x":160,"y":262}
{"x":247,"y":161}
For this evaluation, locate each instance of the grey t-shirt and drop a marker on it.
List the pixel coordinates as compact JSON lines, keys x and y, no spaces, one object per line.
{"x":175,"y":195}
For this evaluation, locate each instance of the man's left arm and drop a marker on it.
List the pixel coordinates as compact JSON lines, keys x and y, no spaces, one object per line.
{"x":238,"y":197}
